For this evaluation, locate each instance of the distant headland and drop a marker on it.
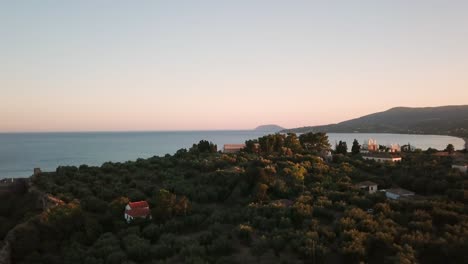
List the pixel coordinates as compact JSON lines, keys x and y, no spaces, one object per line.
{"x":443,"y":120}
{"x":269,"y":128}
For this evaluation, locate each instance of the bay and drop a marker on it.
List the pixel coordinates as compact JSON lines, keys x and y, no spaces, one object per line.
{"x":21,"y":152}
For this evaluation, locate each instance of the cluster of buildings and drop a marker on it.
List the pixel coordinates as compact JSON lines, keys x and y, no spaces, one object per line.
{"x":393,"y":193}
{"x":372,"y":146}
{"x":370,"y":150}
{"x":373,"y":151}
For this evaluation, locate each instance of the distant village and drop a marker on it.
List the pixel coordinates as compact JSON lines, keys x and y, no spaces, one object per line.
{"x":370,"y":150}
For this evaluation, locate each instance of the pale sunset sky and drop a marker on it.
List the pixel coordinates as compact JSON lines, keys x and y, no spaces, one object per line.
{"x":200,"y":65}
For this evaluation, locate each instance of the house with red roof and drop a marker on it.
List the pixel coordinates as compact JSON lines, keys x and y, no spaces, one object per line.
{"x":138,"y":209}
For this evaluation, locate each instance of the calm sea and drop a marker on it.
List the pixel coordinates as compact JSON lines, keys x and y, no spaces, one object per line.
{"x":21,"y":152}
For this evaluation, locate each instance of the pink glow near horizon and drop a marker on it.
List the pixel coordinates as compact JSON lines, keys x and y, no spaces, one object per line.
{"x":212,"y":65}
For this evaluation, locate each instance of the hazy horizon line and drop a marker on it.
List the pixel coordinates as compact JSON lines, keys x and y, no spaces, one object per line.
{"x":124,"y":131}
{"x":218,"y":129}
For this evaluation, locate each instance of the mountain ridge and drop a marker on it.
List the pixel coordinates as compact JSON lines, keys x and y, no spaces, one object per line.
{"x":449,"y":120}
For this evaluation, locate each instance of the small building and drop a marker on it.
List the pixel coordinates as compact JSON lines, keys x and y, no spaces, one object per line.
{"x":407,"y":148}
{"x":138,"y":209}
{"x":394,"y":148}
{"x":368,"y":186}
{"x":463,"y":167}
{"x":7,"y":180}
{"x":233,"y":148}
{"x":49,"y":201}
{"x":282,"y":203}
{"x":398,"y":193}
{"x":326,"y":155}
{"x":370,"y":146}
{"x":382,"y":157}
{"x":37,"y":171}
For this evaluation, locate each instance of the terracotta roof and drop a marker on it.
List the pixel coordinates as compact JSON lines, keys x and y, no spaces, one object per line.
{"x":139,"y":204}
{"x":138,"y":212}
{"x":55,"y":200}
{"x":234,"y":146}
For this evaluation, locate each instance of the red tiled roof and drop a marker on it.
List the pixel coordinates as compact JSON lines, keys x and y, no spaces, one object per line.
{"x":234,"y":145}
{"x":139,"y":204}
{"x":138,"y":212}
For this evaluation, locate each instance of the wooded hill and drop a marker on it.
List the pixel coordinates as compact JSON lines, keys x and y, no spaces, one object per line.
{"x":443,"y":120}
{"x":280,"y":202}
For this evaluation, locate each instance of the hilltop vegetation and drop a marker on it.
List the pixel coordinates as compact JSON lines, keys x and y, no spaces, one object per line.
{"x":444,"y":120}
{"x":275,"y":202}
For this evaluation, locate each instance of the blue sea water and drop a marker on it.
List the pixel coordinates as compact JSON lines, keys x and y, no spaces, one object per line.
{"x":21,"y":152}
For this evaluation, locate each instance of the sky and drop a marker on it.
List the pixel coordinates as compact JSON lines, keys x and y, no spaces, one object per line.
{"x":202,"y":65}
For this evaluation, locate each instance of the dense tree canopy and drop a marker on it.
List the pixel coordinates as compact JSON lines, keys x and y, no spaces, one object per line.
{"x":341,"y":147}
{"x":356,"y":148}
{"x":315,"y":142}
{"x":450,"y":148}
{"x":204,"y":147}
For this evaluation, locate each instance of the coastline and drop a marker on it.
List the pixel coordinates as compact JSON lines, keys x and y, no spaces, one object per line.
{"x":294,"y":130}
{"x":158,"y":145}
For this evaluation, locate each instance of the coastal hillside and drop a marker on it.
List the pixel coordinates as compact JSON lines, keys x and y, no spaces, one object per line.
{"x":443,"y":120}
{"x":280,"y":202}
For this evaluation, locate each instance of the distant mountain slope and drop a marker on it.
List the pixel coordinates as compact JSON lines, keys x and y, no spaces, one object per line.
{"x":443,"y":120}
{"x":269,"y":128}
